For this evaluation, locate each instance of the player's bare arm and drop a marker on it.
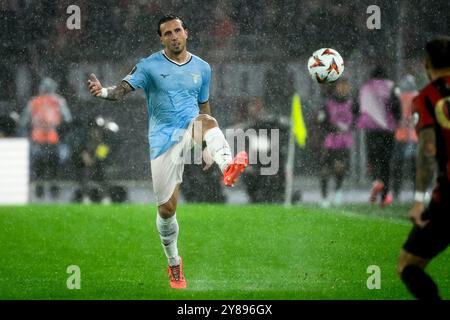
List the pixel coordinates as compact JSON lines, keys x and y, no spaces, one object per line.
{"x":111,"y":93}
{"x":426,"y":164}
{"x":205,"y":108}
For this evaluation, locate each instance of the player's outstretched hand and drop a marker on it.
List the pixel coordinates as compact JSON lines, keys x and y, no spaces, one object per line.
{"x":95,"y":86}
{"x":415,"y":214}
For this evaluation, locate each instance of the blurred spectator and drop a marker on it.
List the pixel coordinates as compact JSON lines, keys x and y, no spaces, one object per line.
{"x":41,"y":120}
{"x":223,"y":32}
{"x":92,"y":146}
{"x":336,"y":119}
{"x":248,"y":16}
{"x":405,"y":138}
{"x":7,"y":126}
{"x":278,"y":89}
{"x":379,"y":114}
{"x":257,"y":185}
{"x":35,"y":38}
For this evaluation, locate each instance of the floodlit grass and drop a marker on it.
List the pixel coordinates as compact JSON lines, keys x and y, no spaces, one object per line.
{"x":229,"y":252}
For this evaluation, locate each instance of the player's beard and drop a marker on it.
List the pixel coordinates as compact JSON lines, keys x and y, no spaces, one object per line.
{"x":177,"y":49}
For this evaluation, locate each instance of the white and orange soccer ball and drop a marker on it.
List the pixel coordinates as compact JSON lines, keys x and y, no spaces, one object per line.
{"x":326,"y":65}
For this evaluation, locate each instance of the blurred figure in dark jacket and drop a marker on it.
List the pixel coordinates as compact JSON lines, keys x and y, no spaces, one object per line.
{"x":7,"y":126}
{"x":260,"y":129}
{"x":92,"y":145}
{"x":404,"y":157}
{"x":379,"y":113}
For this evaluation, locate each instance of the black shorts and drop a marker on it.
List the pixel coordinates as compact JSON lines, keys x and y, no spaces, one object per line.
{"x":434,"y":238}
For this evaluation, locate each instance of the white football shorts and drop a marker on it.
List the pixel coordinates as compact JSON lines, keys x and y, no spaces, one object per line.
{"x":167,"y":169}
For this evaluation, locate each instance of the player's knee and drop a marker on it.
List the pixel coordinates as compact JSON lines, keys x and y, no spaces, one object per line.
{"x":167,"y":210}
{"x":400,"y":267}
{"x":208,"y":122}
{"x":406,"y":260}
{"x":402,"y":262}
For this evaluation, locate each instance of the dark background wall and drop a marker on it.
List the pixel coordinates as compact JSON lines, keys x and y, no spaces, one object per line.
{"x":256,"y":48}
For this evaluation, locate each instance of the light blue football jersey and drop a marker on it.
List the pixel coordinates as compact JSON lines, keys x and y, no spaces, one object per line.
{"x":174,"y":92}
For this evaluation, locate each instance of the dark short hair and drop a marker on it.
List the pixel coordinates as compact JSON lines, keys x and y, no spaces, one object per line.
{"x":379,"y":72}
{"x":170,"y":17}
{"x":438,"y":52}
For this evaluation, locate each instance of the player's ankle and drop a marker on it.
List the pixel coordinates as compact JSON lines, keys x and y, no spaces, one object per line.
{"x":225,"y":167}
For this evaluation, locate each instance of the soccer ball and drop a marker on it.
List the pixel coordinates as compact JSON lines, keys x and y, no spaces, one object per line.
{"x":325,"y":65}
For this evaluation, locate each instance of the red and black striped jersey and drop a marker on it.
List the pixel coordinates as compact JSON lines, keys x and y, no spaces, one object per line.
{"x":432,"y":109}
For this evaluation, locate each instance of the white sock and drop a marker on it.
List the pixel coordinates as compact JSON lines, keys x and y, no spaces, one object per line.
{"x":168,"y":232}
{"x":218,"y":147}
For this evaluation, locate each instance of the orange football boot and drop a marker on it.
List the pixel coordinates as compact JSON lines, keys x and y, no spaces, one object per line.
{"x":235,"y":168}
{"x":387,"y":201}
{"x":177,"y":280}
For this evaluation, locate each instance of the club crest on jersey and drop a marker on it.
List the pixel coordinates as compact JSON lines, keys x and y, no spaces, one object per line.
{"x":195,"y":77}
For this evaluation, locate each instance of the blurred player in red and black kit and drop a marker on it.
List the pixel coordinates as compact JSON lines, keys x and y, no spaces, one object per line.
{"x":431,"y":232}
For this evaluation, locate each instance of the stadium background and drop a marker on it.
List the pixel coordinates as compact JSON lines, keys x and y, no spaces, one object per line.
{"x":256,"y":48}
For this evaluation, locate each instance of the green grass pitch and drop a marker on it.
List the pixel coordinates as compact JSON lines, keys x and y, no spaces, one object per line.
{"x":229,"y":252}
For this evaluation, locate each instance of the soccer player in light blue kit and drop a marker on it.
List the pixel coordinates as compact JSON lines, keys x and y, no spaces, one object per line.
{"x":176,"y":84}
